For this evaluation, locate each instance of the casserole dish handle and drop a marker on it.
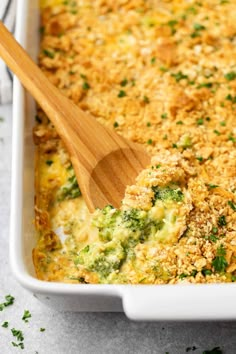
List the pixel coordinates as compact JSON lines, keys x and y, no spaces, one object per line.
{"x":165,"y":302}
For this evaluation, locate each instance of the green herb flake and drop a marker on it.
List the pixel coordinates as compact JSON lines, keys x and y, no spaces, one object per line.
{"x":199,"y":158}
{"x":150,"y":141}
{"x":200,"y":121}
{"x":26,"y":316}
{"x":164,"y":116}
{"x":49,"y":162}
{"x":9,"y":301}
{"x":232,"y":205}
{"x":230,"y":76}
{"x":148,"y":124}
{"x":223,"y":124}
{"x":172,"y":24}
{"x":153,"y":60}
{"x":115,"y":124}
{"x":124,"y":82}
{"x":85,"y":86}
{"x":198,"y":27}
{"x":179,"y":122}
{"x":5,"y":324}
{"x":183,"y":275}
{"x":205,"y":84}
{"x":163,"y":69}
{"x":146,"y":99}
{"x":50,"y":54}
{"x":231,"y":98}
{"x":222,"y":221}
{"x":212,"y":186}
{"x":20,"y":345}
{"x":179,"y":76}
{"x":219,"y":262}
{"x":18,"y":334}
{"x":1,"y":119}
{"x":216,"y":132}
{"x":121,"y":94}
{"x":232,"y":138}
{"x":206,"y":272}
{"x":42,"y":329}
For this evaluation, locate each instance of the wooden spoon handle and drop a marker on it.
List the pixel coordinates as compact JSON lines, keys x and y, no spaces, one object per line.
{"x":72,"y":124}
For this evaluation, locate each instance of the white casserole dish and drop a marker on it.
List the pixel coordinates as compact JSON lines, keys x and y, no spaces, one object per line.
{"x":165,"y":302}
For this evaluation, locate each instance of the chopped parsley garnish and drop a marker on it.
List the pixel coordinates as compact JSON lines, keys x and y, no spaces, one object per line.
{"x":197,"y":30}
{"x":212,"y":186}
{"x":219,"y":262}
{"x":115,"y":124}
{"x":124,"y":82}
{"x":9,"y":301}
{"x":206,"y":272}
{"x":200,"y":121}
{"x":18,"y":334}
{"x":5,"y":324}
{"x":231,"y":98}
{"x":20,"y":345}
{"x":148,"y":124}
{"x":86,"y":85}
{"x":205,"y":84}
{"x":153,"y":60}
{"x":49,"y":53}
{"x":49,"y":162}
{"x":146,"y":99}
{"x":172,"y":24}
{"x":175,"y":146}
{"x":183,"y":275}
{"x":230,"y":76}
{"x":179,"y":76}
{"x":164,"y":116}
{"x":198,"y":27}
{"x":232,"y":205}
{"x":216,"y":132}
{"x":122,"y":93}
{"x":26,"y":315}
{"x":149,"y":142}
{"x":199,"y":158}
{"x":83,"y":76}
{"x":42,"y":329}
{"x":222,"y":221}
{"x":223,"y":124}
{"x":179,"y":122}
{"x":232,"y":138}
{"x":163,"y":69}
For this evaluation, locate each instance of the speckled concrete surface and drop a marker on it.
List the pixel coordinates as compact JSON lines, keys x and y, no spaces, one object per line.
{"x":85,"y":333}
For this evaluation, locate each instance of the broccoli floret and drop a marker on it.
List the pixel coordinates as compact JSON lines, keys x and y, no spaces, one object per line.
{"x":103,"y":261}
{"x":167,"y":193}
{"x":134,"y":219}
{"x":106,"y":220}
{"x":70,"y":190}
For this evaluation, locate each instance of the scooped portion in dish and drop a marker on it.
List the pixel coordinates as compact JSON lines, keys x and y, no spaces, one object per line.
{"x":163,"y":75}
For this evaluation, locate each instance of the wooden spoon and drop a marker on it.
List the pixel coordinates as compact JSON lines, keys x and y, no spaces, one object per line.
{"x":104,"y":162}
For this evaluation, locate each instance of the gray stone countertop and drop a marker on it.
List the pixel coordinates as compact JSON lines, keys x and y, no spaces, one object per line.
{"x":85,"y":333}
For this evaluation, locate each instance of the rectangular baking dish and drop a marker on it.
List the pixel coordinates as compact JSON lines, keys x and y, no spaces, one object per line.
{"x":152,"y":302}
